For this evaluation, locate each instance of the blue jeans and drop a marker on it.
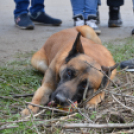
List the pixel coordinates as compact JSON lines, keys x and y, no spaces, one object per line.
{"x":84,"y":7}
{"x":22,"y":6}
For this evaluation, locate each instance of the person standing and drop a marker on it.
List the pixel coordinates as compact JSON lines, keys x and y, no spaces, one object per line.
{"x":114,"y":13}
{"x":23,"y":16}
{"x":85,"y":13}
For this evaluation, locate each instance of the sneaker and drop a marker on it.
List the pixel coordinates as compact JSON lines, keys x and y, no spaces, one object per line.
{"x":78,"y":20}
{"x":23,"y":21}
{"x":128,"y":63}
{"x":41,"y":18}
{"x":91,"y":21}
{"x":114,"y":17}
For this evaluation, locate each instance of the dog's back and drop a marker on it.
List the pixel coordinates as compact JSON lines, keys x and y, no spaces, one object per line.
{"x":63,"y":41}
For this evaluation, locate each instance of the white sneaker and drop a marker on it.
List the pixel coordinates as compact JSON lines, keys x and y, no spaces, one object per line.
{"x":78,"y":20}
{"x":92,"y":24}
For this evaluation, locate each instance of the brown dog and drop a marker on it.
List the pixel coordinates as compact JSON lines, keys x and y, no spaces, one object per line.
{"x":69,"y":62}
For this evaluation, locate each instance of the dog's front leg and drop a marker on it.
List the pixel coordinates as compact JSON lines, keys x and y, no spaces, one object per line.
{"x":95,"y":100}
{"x":42,"y":94}
{"x":41,"y":97}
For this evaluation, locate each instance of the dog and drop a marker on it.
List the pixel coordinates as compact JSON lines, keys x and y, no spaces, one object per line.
{"x":71,"y":59}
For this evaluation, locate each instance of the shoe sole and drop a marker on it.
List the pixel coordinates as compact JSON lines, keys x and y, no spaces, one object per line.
{"x":25,"y":28}
{"x":114,"y":23}
{"x":43,"y":24}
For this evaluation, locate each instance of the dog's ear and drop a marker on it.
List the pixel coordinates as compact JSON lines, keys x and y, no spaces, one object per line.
{"x":76,"y":49}
{"x":107,"y":71}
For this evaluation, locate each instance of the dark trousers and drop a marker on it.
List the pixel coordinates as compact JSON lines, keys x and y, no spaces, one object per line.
{"x":115,"y":3}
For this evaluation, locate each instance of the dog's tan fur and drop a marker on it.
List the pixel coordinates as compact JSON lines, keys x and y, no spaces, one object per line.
{"x":51,"y":57}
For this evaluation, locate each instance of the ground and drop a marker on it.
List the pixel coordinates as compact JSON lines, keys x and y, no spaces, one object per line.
{"x":14,"y":40}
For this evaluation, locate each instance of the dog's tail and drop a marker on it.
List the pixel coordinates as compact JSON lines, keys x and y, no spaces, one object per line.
{"x":88,"y":33}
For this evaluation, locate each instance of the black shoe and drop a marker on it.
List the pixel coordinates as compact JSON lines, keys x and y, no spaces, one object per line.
{"x":44,"y":19}
{"x":114,"y":17}
{"x":128,"y":63}
{"x":23,"y":21}
{"x":132,"y":31}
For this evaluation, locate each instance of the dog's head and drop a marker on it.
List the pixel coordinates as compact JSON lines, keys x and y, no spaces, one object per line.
{"x":78,"y":72}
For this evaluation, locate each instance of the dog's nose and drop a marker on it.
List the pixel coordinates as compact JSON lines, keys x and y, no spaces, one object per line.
{"x":60,"y":98}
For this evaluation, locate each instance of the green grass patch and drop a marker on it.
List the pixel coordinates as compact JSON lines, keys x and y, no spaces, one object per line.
{"x":121,"y":49}
{"x":17,"y":77}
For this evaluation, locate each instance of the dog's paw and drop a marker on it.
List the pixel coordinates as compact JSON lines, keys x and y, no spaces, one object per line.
{"x":90,"y":106}
{"x":25,"y":112}
{"x":29,"y":110}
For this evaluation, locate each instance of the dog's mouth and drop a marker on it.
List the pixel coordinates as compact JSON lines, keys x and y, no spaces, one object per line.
{"x":70,"y":107}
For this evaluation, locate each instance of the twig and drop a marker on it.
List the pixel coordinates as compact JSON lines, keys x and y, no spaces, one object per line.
{"x":107,"y":91}
{"x":18,"y":121}
{"x":124,"y":132}
{"x":64,"y":118}
{"x":23,"y":95}
{"x":54,"y":109}
{"x":8,"y":126}
{"x":33,"y":121}
{"x":86,"y":117}
{"x":91,"y":125}
{"x":91,"y":96}
{"x":85,"y":91}
{"x":103,"y":74}
{"x":35,"y":115}
{"x":10,"y":98}
{"x":122,"y":103}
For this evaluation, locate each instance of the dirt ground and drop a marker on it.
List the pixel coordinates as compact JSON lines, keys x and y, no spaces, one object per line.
{"x":13,"y":40}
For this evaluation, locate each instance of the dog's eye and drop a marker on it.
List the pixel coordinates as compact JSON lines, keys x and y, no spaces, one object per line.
{"x":84,"y":84}
{"x":69,"y":73}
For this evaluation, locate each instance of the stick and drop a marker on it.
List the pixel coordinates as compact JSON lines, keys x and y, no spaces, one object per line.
{"x":107,"y":91}
{"x":10,"y":98}
{"x":124,"y":132}
{"x":90,"y":97}
{"x":86,"y":117}
{"x":122,"y":104}
{"x":89,"y":125}
{"x":54,"y":109}
{"x":23,"y":95}
{"x":33,"y":122}
{"x":7,"y":127}
{"x":85,"y":91}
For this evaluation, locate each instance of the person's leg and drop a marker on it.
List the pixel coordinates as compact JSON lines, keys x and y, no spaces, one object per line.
{"x":90,"y":14}
{"x":37,"y":6}
{"x":38,"y":15}
{"x":115,"y":3}
{"x":90,"y":8}
{"x":78,"y":8}
{"x":21,"y":17}
{"x":98,"y":14}
{"x":21,"y":7}
{"x":114,"y":12}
